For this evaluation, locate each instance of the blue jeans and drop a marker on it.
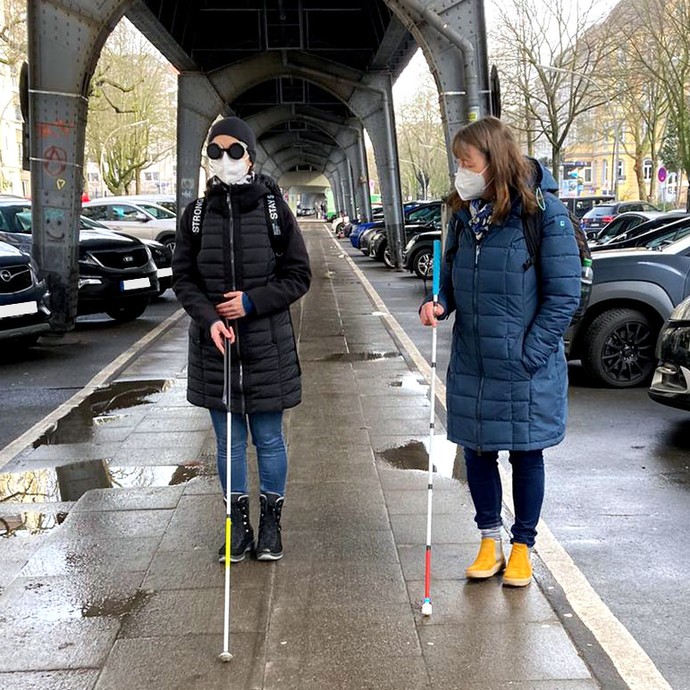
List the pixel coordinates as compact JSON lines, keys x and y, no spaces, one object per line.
{"x":267,"y":437}
{"x":528,"y":490}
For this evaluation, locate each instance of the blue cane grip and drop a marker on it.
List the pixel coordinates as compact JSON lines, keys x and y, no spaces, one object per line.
{"x":437,"y":267}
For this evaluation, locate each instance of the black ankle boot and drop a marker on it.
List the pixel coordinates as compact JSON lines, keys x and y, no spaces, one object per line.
{"x":242,"y":533}
{"x":270,"y":545}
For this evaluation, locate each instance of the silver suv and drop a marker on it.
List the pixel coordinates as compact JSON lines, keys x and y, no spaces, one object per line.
{"x":142,"y":219}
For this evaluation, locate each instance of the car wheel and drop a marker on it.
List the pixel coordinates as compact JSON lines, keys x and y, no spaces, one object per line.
{"x":127,"y":312}
{"x":388,"y":259}
{"x":378,"y":254}
{"x":618,"y":348}
{"x":169,"y":242}
{"x":422,"y":263}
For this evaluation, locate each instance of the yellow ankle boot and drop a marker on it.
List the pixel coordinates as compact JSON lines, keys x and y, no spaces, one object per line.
{"x":489,"y":561}
{"x":519,"y":570}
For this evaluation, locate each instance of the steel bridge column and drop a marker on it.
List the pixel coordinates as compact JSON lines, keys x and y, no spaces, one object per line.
{"x":364,"y":176}
{"x":198,"y":104}
{"x":65,"y":39}
{"x":375,"y":101}
{"x":457,"y":58}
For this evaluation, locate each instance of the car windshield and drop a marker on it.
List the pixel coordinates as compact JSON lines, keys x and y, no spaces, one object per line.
{"x":671,"y":236}
{"x":157,"y":211}
{"x":599,"y":211}
{"x":15,"y":218}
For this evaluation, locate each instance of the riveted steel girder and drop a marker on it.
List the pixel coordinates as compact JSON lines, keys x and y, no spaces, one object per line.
{"x":65,"y":40}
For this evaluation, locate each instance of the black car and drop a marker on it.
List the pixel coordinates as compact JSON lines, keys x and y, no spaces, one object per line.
{"x":378,"y":244}
{"x":601,"y":215}
{"x":671,"y":382}
{"x":162,"y":254}
{"x":116,"y":273}
{"x":419,"y":253}
{"x":579,"y":205}
{"x":24,"y":310}
{"x":653,"y":234}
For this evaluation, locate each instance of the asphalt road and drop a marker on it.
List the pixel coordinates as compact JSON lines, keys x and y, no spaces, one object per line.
{"x":34,"y":382}
{"x":618,"y":491}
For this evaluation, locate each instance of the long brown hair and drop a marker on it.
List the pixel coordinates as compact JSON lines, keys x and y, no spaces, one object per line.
{"x":508,"y":169}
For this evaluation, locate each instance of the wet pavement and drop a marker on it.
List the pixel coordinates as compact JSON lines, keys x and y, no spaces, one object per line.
{"x":108,"y":572}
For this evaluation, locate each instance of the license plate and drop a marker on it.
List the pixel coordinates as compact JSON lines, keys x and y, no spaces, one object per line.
{"x":164,"y":272}
{"x":136,"y":284}
{"x":21,"y":309}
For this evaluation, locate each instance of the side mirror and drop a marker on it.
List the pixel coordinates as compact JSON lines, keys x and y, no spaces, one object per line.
{"x":141,"y":218}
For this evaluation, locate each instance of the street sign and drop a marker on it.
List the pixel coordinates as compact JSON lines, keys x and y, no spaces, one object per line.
{"x":662,"y":174}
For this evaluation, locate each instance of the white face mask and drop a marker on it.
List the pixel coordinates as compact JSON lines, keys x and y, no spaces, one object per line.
{"x":228,"y":169}
{"x":470,"y":185}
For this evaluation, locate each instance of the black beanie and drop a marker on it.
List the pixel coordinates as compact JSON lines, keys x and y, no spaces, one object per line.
{"x":234,"y":127}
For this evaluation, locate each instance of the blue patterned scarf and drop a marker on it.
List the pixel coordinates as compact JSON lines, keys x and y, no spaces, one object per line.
{"x":480,"y":216}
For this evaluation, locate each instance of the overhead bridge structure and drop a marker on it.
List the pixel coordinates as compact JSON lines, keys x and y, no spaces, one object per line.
{"x":311,"y":76}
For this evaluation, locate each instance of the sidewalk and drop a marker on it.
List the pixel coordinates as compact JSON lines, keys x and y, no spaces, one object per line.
{"x":127,"y":593}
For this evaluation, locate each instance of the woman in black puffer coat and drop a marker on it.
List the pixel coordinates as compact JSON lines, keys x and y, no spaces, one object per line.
{"x":239,"y":263}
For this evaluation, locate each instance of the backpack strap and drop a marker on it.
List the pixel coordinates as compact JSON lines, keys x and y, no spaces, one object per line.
{"x":275,"y":233}
{"x":532,"y":229}
{"x":198,"y":215}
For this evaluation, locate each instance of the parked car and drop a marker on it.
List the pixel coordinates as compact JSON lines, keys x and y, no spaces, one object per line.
{"x":634,"y":291}
{"x":144,"y":220}
{"x":622,"y":224}
{"x":167,"y":201}
{"x":24,"y":308}
{"x":117,"y":274}
{"x":379,"y":244}
{"x":653,"y":234}
{"x":418,"y":253}
{"x":602,"y":214}
{"x":671,"y":381}
{"x":413,"y":212}
{"x":161,"y":254}
{"x":579,"y":205}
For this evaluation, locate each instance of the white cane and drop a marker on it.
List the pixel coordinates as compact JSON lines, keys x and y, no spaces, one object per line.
{"x":426,"y":606}
{"x":225,"y":655}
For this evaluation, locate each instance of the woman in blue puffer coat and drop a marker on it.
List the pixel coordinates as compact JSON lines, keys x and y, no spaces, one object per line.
{"x":507,"y":380}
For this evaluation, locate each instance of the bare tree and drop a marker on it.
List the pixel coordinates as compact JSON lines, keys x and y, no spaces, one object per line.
{"x":664,"y":57}
{"x":13,"y":32}
{"x":421,"y":144}
{"x":551,"y":54}
{"x":13,"y":47}
{"x":132,"y":120}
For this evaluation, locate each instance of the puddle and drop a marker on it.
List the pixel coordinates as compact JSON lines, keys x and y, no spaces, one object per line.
{"x":111,"y":606}
{"x":414,"y":455}
{"x":411,"y":382}
{"x":360,"y":356}
{"x":99,"y":408}
{"x":68,"y":483}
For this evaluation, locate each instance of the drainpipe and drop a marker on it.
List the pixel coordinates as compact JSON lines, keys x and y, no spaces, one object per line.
{"x":437,"y":22}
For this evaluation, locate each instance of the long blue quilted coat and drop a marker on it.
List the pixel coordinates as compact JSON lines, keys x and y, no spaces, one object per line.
{"x":507,"y":380}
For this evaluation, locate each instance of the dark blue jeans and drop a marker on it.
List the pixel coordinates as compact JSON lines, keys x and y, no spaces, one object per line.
{"x":528,"y":490}
{"x":267,"y":437}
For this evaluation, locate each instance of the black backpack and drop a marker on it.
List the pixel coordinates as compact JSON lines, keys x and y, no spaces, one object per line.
{"x":532,"y":227}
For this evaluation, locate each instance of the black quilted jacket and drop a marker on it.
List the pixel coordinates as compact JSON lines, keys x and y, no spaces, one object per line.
{"x":233,"y":251}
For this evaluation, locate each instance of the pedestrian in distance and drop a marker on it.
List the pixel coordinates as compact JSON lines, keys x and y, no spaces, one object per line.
{"x":507,"y":380}
{"x":240,"y":261}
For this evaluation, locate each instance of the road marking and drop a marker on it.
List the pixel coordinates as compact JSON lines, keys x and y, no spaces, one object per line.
{"x":631,"y":661}
{"x":11,"y":450}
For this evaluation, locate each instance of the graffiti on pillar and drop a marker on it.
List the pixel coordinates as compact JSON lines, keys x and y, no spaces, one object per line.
{"x":59,"y":128}
{"x":54,"y":219}
{"x":55,"y":161}
{"x":60,"y":183}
